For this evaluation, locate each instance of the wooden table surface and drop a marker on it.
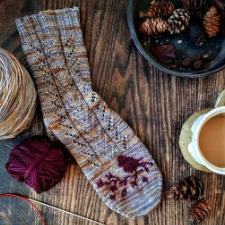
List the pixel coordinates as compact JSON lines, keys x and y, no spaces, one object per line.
{"x":153,"y":103}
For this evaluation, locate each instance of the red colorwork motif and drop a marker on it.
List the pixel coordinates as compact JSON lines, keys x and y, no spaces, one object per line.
{"x":129,"y":165}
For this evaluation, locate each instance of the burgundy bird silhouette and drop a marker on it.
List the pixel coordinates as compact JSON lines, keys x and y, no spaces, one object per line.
{"x":131,"y":164}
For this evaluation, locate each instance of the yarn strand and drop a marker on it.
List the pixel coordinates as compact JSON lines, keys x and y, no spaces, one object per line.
{"x":64,"y":211}
{"x":28,"y":200}
{"x":32,"y":201}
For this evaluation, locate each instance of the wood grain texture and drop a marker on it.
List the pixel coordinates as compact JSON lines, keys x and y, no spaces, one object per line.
{"x":153,"y":103}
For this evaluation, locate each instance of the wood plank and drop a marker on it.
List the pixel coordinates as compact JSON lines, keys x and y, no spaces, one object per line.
{"x":153,"y":103}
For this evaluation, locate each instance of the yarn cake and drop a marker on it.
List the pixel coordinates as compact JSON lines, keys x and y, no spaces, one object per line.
{"x":38,"y":162}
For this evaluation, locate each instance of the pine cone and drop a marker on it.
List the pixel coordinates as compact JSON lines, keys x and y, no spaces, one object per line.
{"x":178,"y":21}
{"x":189,"y":188}
{"x":222,"y":28}
{"x":153,"y":27}
{"x":196,"y":7}
{"x":197,"y":34}
{"x":161,"y":9}
{"x":212,"y":22}
{"x":199,"y":212}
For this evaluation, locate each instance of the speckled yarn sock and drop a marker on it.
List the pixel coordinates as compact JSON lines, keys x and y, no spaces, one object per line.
{"x":112,"y":157}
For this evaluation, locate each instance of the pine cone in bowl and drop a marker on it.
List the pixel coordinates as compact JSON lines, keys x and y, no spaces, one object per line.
{"x":196,"y":7}
{"x":152,"y":27}
{"x":178,"y":21}
{"x":212,"y":22}
{"x":161,"y":9}
{"x":196,"y":34}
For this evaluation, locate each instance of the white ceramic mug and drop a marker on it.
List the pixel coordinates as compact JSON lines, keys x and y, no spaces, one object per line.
{"x":196,"y":128}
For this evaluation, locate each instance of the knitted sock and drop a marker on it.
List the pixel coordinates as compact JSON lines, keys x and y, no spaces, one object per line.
{"x":112,"y":157}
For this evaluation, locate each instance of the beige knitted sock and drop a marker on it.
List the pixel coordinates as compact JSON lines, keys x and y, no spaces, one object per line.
{"x":112,"y":157}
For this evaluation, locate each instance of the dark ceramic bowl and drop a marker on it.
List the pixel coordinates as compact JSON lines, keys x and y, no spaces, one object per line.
{"x":214,"y":47}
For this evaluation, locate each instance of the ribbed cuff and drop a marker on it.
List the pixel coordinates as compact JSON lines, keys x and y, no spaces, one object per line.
{"x":53,"y":40}
{"x":49,"y":22}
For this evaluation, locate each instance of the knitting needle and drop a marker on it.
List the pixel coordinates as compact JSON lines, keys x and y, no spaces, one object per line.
{"x":62,"y":210}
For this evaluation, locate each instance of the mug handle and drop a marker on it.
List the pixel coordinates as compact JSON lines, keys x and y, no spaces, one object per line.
{"x":220,"y":100}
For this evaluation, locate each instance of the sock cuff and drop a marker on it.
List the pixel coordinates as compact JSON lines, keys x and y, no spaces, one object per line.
{"x":66,"y":19}
{"x":53,"y":30}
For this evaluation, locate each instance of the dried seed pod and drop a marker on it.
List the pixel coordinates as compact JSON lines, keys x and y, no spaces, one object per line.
{"x":187,"y":62}
{"x":198,"y":64}
{"x":197,"y":35}
{"x":212,"y":22}
{"x":189,"y":188}
{"x":165,"y":53}
{"x":196,"y":7}
{"x":161,"y":9}
{"x":153,"y":27}
{"x":199,"y":212}
{"x":178,"y":21}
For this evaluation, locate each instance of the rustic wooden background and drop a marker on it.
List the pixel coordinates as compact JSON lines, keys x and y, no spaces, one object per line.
{"x":153,"y":103}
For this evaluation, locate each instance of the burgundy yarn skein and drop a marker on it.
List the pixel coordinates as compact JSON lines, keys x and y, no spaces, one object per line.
{"x":38,"y":162}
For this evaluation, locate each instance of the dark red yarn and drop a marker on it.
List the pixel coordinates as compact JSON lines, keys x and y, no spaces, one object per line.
{"x":38,"y":162}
